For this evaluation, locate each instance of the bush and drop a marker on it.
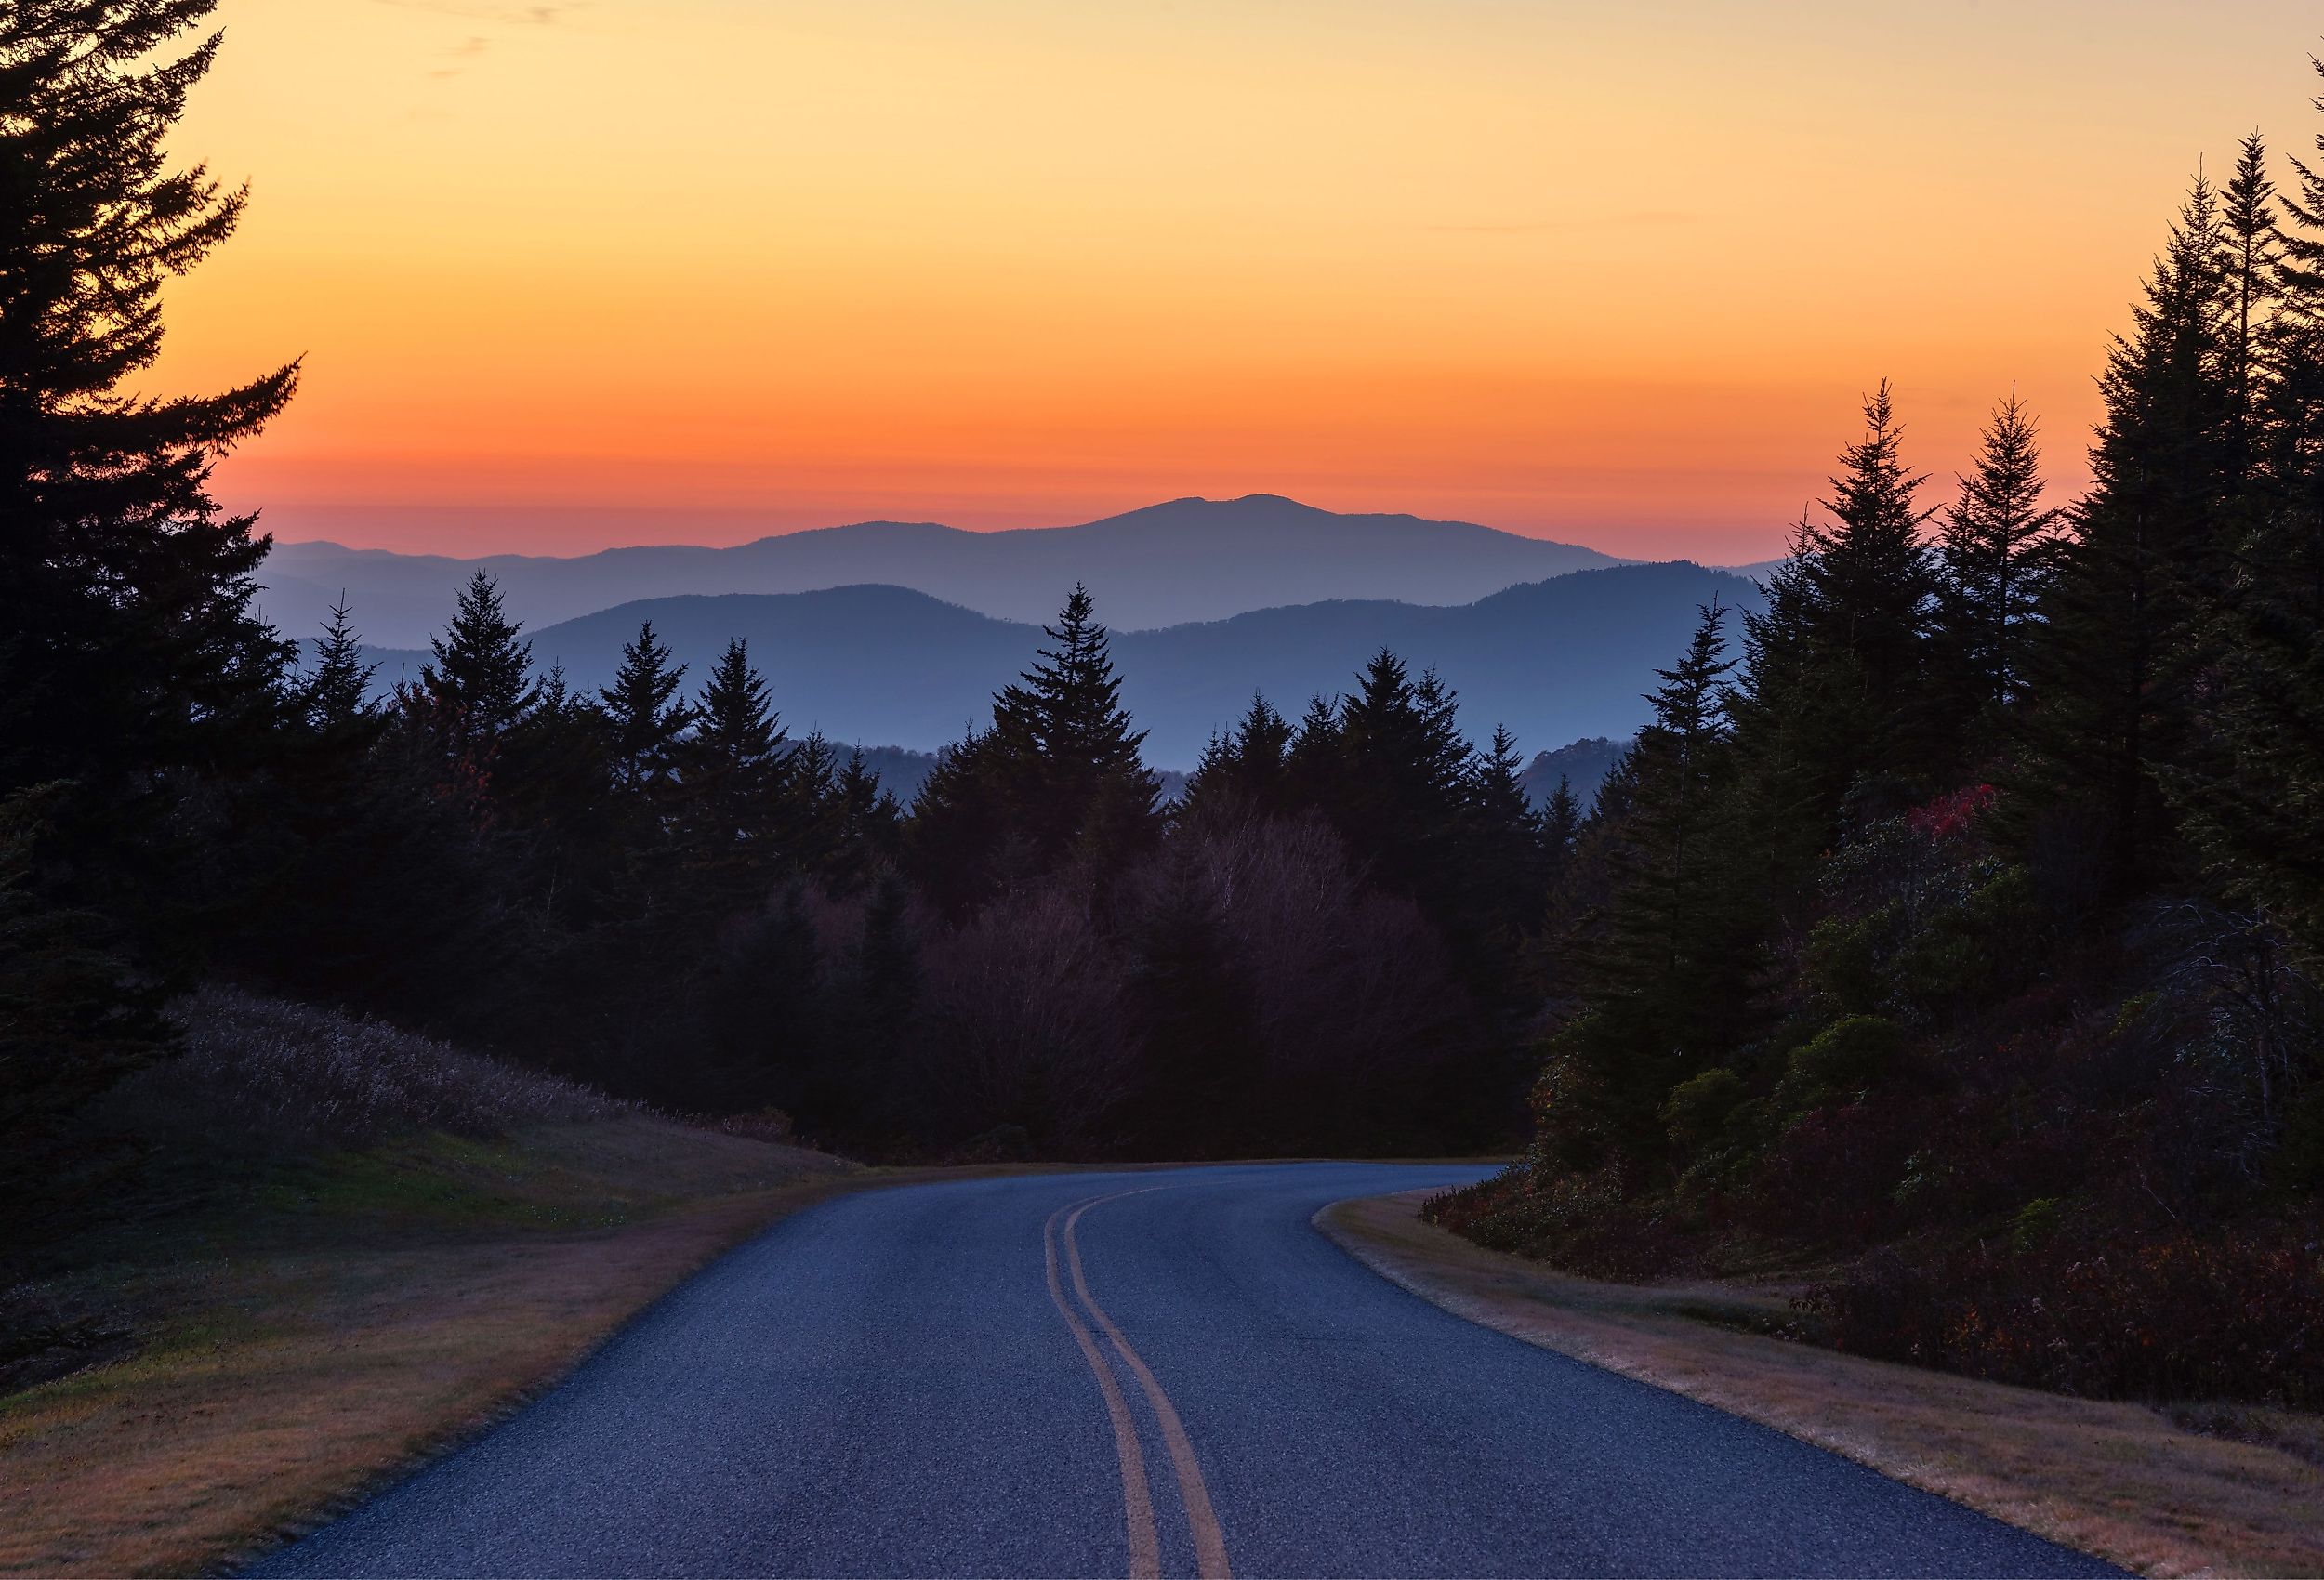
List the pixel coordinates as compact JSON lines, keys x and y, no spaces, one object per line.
{"x":2185,"y":1317}
{"x":1698,"y":1107}
{"x":1843,"y":1058}
{"x":286,"y":1072}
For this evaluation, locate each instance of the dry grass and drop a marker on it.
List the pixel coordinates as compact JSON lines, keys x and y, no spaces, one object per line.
{"x":399,"y":1302}
{"x":341,"y":1246}
{"x":2119,"y":1479}
{"x":288,"y":1074}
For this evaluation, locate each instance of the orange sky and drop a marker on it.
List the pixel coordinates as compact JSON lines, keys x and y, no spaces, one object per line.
{"x":575,"y":274}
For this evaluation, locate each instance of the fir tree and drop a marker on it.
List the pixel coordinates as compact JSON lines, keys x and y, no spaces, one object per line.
{"x":645,"y":714}
{"x":1561,"y":825}
{"x":1503,"y":841}
{"x":1870,"y":588}
{"x":481,"y":682}
{"x":1072,"y":778}
{"x":1991,"y":560}
{"x":132,"y":663}
{"x":336,"y":694}
{"x":2123,"y":620}
{"x":730,"y":769}
{"x":1666,"y":972}
{"x":1247,"y":770}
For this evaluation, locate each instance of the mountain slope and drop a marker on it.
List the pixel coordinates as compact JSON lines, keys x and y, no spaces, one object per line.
{"x":1554,"y":659}
{"x":1184,"y":560}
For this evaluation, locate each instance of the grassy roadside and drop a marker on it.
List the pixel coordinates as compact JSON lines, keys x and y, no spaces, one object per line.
{"x":312,"y":1329}
{"x":2243,"y":1494}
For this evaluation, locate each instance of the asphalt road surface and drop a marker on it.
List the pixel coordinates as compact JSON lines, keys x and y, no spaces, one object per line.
{"x":1159,"y":1373}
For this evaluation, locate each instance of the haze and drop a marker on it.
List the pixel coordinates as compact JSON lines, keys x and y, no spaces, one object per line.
{"x":575,"y":274}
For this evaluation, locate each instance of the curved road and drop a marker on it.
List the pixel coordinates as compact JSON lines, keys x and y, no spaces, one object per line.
{"x":1135,"y":1373}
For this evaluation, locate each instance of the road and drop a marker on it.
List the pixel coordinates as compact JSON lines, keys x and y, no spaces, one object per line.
{"x":1153,"y":1373}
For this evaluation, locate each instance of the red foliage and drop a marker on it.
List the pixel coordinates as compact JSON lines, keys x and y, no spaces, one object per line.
{"x":1951,"y":815}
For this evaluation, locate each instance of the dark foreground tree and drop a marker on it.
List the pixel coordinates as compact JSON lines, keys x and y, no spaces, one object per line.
{"x":131,"y":663}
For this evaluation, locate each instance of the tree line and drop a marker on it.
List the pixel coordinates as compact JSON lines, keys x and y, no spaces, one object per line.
{"x":1961,"y":912}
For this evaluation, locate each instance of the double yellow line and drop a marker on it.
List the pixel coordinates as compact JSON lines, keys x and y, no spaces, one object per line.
{"x":1145,"y":1554}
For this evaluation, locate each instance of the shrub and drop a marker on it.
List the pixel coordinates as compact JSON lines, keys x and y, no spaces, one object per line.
{"x":1698,"y":1107}
{"x":2183,"y":1317}
{"x":1845,"y":1057}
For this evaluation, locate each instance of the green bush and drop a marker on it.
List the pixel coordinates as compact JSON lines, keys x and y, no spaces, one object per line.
{"x":1843,"y":1058}
{"x":1698,"y":1107}
{"x":1844,"y":959}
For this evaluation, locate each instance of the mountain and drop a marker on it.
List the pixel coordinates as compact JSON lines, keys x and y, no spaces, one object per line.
{"x":1583,"y":766}
{"x":1189,"y":560}
{"x":1554,"y":659}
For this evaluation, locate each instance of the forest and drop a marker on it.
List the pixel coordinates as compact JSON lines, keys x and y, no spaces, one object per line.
{"x":1953,"y":930}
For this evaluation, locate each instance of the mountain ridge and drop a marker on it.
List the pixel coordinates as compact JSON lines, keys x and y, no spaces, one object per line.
{"x":1559,"y":660}
{"x":1172,"y":563}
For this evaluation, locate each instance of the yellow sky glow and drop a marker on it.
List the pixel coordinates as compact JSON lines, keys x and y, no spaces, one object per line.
{"x":1611,"y":274}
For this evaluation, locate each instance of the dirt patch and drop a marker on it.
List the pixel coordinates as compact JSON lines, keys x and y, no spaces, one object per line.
{"x":2241,"y":1495}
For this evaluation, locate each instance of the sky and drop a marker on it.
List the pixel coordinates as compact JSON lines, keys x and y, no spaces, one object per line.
{"x":574,"y":274}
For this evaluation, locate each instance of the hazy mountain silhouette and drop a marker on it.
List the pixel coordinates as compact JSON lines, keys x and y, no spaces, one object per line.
{"x":1583,"y":765}
{"x":1184,"y":560}
{"x":1554,"y":659}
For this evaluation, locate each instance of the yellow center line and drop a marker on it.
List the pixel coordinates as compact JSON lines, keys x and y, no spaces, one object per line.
{"x":1145,"y":1550}
{"x":1209,"y":1541}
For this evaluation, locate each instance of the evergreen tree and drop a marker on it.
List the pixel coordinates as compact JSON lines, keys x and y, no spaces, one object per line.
{"x":2251,"y":267}
{"x":730,"y":771}
{"x":336,"y":695}
{"x":1247,"y":770}
{"x":1561,"y":825}
{"x":1072,"y":778}
{"x":1870,"y":589}
{"x":1403,"y":780}
{"x":1990,"y":563}
{"x":132,"y":663}
{"x":644,"y":716}
{"x":2253,"y":804}
{"x":481,"y":682}
{"x":1503,"y":841}
{"x":1666,"y":971}
{"x":2122,"y":645}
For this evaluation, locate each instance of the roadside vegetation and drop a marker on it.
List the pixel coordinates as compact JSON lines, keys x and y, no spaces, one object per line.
{"x":314,"y":1248}
{"x":1953,"y":933}
{"x":1950,"y":940}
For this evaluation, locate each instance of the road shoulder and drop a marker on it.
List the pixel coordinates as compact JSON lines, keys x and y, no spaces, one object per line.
{"x":2118,"y":1480}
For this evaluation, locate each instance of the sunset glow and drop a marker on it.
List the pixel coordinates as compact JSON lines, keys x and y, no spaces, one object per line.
{"x":571,"y":275}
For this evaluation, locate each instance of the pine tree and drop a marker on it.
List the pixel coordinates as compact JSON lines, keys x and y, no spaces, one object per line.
{"x":1870,"y":588}
{"x":2252,"y":802}
{"x":645,"y":714}
{"x":481,"y":682}
{"x":1503,"y":839}
{"x":336,"y":695}
{"x":1990,"y":563}
{"x":730,"y":769}
{"x":1665,"y":974}
{"x":1073,"y":777}
{"x":2251,"y":264}
{"x":2123,"y":632}
{"x":131,"y":661}
{"x":1561,"y":825}
{"x":1245,"y":772}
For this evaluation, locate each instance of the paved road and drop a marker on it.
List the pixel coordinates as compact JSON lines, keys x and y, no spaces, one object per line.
{"x":1098,"y":1375}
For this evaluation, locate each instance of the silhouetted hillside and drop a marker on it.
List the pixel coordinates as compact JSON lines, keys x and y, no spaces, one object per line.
{"x":1554,"y":659}
{"x":1583,"y":766}
{"x":1187,"y":559}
